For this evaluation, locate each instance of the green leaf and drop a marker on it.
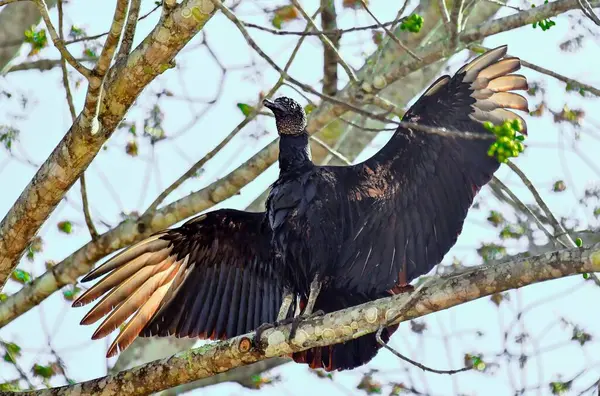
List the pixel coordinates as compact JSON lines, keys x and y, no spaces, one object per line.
{"x":491,"y":251}
{"x":21,"y":276}
{"x":245,"y":108}
{"x":580,"y":336}
{"x":578,"y":242}
{"x":8,"y":135}
{"x":496,"y":218}
{"x":37,"y":39}
{"x":3,"y":297}
{"x":70,"y":292}
{"x":43,"y":371}
{"x":475,"y":361}
{"x":12,"y":352}
{"x":508,"y":139}
{"x":560,"y":388}
{"x":559,"y":186}
{"x":309,"y":108}
{"x":413,"y":23}
{"x":65,"y":226}
{"x":76,"y":32}
{"x":10,"y":386}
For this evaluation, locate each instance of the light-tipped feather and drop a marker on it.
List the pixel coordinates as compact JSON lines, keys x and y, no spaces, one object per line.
{"x":138,"y":322}
{"x":137,"y":300}
{"x":150,"y":244}
{"x":474,"y":67}
{"x":125,"y":290}
{"x":120,"y":275}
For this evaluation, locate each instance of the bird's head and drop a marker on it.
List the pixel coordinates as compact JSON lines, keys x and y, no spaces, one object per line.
{"x":290,"y":117}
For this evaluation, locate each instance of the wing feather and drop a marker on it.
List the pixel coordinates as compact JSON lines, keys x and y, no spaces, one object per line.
{"x":213,"y":277}
{"x":430,"y":180}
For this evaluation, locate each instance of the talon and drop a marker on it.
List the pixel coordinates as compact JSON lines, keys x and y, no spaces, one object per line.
{"x":299,"y":319}
{"x":261,"y":329}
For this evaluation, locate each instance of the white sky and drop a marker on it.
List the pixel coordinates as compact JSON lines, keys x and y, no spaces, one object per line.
{"x":553,"y":154}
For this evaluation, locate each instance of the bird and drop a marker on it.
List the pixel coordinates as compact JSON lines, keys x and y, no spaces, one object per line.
{"x":330,"y":237}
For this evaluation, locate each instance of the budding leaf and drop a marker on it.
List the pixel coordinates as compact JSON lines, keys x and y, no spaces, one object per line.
{"x":245,"y":108}
{"x":65,"y":226}
{"x":21,"y":276}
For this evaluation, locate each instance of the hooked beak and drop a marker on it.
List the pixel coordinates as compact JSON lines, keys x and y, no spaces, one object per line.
{"x":269,"y":104}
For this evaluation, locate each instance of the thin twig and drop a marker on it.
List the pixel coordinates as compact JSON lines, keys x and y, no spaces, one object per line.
{"x":417,"y":364}
{"x":525,"y":209}
{"x":412,"y":299}
{"x":129,"y":32}
{"x":588,"y":11}
{"x":58,"y":43}
{"x":326,"y":42}
{"x":96,"y":80}
{"x":327,"y":32}
{"x":65,"y":75}
{"x":389,"y":33}
{"x":97,"y":36}
{"x":86,"y":208}
{"x":559,"y":230}
{"x":332,"y":151}
{"x":455,"y":21}
{"x":445,"y":14}
{"x":41,"y":65}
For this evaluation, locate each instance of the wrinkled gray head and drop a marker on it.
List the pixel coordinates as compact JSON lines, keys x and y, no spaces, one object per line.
{"x":290,"y":117}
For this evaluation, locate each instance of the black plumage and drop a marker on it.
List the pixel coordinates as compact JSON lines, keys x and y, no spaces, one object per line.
{"x":330,"y":238}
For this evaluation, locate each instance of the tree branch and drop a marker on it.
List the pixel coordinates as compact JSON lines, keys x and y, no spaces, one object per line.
{"x":326,"y":42}
{"x":129,"y":33}
{"x":58,"y":43}
{"x":341,"y":326}
{"x":77,"y":149}
{"x":128,"y":232}
{"x":330,"y":74}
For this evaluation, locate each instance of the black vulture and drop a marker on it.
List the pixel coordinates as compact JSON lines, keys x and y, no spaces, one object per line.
{"x":331,"y":236}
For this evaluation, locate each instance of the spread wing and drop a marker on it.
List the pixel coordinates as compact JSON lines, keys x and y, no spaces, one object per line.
{"x":213,"y":277}
{"x":411,"y":198}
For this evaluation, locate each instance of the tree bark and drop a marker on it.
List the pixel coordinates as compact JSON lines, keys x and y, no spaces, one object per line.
{"x":81,"y":144}
{"x":439,"y":294}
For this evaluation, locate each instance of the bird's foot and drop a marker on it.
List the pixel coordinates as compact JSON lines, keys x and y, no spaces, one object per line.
{"x":299,"y":319}
{"x":266,"y":326}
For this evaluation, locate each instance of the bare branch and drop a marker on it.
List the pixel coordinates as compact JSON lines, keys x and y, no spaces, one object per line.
{"x":129,"y":33}
{"x":523,"y":208}
{"x":126,"y":233}
{"x":326,"y":42}
{"x":330,"y":62}
{"x":58,"y":43}
{"x":77,"y":149}
{"x":42,"y":65}
{"x":86,"y":208}
{"x":389,"y":32}
{"x":444,"y":292}
{"x":559,"y":230}
{"x":65,"y":76}
{"x":91,"y":108}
